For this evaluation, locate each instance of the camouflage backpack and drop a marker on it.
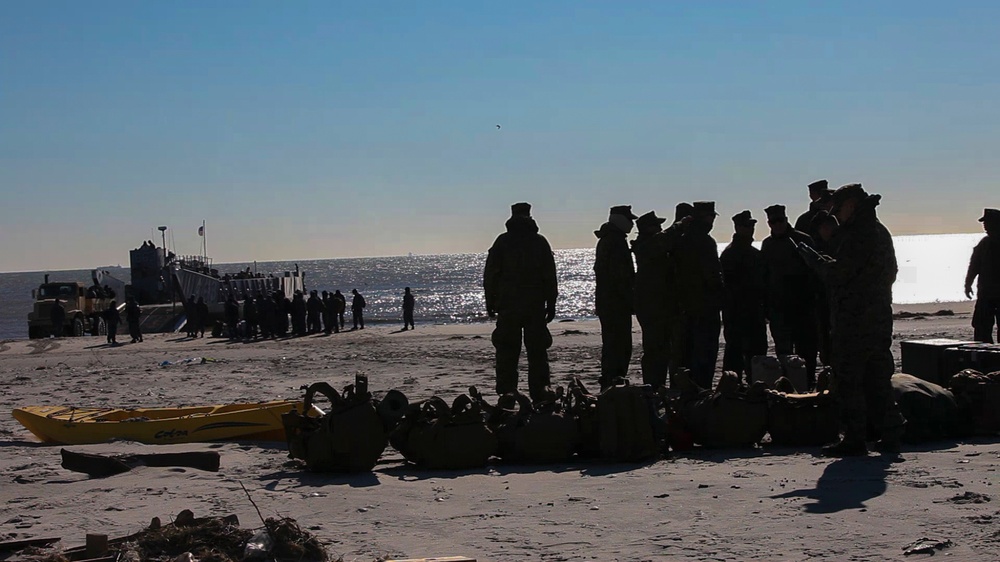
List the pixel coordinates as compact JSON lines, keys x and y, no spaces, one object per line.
{"x":630,"y":427}
{"x":543,"y":432}
{"x":434,"y":435}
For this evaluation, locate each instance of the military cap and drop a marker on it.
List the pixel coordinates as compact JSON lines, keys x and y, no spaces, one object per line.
{"x":849,"y":191}
{"x":818,"y":186}
{"x":776,"y":213}
{"x":821,"y":218}
{"x":744,"y":219}
{"x":649,"y":220}
{"x":683,"y":210}
{"x":520,"y":210}
{"x":704,"y":208}
{"x":625,"y":210}
{"x":990,"y":215}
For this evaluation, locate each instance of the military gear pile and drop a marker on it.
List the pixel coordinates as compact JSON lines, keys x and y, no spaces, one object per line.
{"x":349,"y":438}
{"x":930,"y":410}
{"x":544,"y":432}
{"x":733,"y":415}
{"x":801,"y":419}
{"x":978,"y":397}
{"x":435,"y":435}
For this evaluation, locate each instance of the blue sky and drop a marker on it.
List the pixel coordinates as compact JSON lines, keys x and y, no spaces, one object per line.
{"x":331,"y":129}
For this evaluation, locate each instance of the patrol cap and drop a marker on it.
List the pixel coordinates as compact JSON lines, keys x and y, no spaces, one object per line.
{"x":849,"y":191}
{"x":625,"y":210}
{"x":704,"y":208}
{"x":649,"y":220}
{"x":818,"y":186}
{"x":744,"y":219}
{"x":821,"y":218}
{"x":683,"y":210}
{"x":990,"y":215}
{"x":520,"y":210}
{"x":776,"y":213}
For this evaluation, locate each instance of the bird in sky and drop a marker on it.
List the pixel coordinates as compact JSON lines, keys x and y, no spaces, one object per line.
{"x":498,"y":126}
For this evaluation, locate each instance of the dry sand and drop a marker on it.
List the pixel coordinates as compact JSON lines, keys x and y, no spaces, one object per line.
{"x":765,"y":504}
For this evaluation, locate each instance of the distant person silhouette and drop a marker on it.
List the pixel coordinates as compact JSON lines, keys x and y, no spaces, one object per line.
{"x":201,"y":317}
{"x":298,"y":312}
{"x":519,"y":281}
{"x":329,"y":322}
{"x":358,"y":309}
{"x":615,"y":276}
{"x":57,"y":315}
{"x":314,"y":311}
{"x":985,"y":264}
{"x":232,"y":313}
{"x":340,"y":309}
{"x":133,"y":314}
{"x":191,"y":311}
{"x":408,"y":303}
{"x":111,"y":319}
{"x":820,"y":196}
{"x":251,"y":315}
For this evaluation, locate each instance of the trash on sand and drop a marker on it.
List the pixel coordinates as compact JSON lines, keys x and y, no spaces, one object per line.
{"x":926,"y":546}
{"x":188,"y":361}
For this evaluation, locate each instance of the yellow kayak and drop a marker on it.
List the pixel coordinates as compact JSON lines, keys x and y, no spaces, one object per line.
{"x":76,"y":426}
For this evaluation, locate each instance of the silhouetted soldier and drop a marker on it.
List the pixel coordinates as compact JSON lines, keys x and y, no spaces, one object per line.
{"x":408,"y":303}
{"x":111,"y":319}
{"x":680,"y":343}
{"x":251,"y":315}
{"x":328,"y":315}
{"x":315,"y":310}
{"x":819,"y":200}
{"x":520,"y":287}
{"x":824,"y":225}
{"x":133,"y":315}
{"x":652,"y":247}
{"x":191,"y":311}
{"x":57,"y":315}
{"x":340,"y":309}
{"x":232,"y":312}
{"x":201,"y":317}
{"x":281,"y":306}
{"x":743,"y":319}
{"x":614,"y":272}
{"x":701,"y":292}
{"x":358,"y":310}
{"x":791,"y":298}
{"x":266,"y":312}
{"x":298,"y":312}
{"x":860,"y":278}
{"x":985,"y":264}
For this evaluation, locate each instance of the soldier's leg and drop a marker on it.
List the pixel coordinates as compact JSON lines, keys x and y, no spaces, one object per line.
{"x":806,"y":336}
{"x":705,"y":330}
{"x":655,"y":348}
{"x":678,"y":340}
{"x":884,"y":418}
{"x":507,"y":341}
{"x":848,"y":388}
{"x":782,"y":333}
{"x":616,"y":345}
{"x":756,"y":340}
{"x":733,"y":334}
{"x":982,"y":321}
{"x":537,"y":341}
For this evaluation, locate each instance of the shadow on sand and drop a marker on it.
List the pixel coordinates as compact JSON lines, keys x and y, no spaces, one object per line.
{"x":845,"y":484}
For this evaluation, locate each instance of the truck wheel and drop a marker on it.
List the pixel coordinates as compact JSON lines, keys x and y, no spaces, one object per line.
{"x":77,"y":327}
{"x":100,"y":327}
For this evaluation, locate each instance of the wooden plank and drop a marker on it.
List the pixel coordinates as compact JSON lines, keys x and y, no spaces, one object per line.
{"x":14,"y":546}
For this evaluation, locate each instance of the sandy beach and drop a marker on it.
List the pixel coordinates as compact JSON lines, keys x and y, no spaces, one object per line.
{"x":758,"y":504}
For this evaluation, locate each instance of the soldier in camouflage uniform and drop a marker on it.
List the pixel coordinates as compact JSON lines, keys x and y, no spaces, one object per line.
{"x":520,"y":285}
{"x":614,"y":273}
{"x":743,"y":317}
{"x":859,"y":278}
{"x":985,"y":264}
{"x":652,"y":248}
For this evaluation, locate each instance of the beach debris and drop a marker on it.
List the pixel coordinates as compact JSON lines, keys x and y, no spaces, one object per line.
{"x":188,"y":361}
{"x":101,"y":466}
{"x":926,"y":546}
{"x":968,"y":498}
{"x":19,"y":545}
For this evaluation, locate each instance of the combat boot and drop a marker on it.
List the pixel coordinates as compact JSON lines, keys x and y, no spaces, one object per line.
{"x":845,"y":448}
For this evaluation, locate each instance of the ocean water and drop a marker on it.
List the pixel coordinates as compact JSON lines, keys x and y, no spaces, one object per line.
{"x":448,"y":287}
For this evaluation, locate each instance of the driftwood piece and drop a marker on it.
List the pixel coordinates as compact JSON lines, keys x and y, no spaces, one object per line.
{"x":100,"y":466}
{"x":14,"y":546}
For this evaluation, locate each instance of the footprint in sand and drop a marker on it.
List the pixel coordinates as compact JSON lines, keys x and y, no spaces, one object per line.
{"x":41,"y":346}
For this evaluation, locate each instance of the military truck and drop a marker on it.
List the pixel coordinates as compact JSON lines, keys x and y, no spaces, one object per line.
{"x":83,"y":309}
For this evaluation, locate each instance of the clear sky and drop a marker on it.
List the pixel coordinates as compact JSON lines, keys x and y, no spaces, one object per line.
{"x":332,"y":129}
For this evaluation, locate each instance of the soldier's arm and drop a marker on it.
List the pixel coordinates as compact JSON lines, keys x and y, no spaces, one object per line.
{"x":975,"y":266}
{"x":491,"y":277}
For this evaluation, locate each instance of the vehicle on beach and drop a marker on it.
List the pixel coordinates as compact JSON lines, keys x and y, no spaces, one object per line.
{"x":83,"y":307}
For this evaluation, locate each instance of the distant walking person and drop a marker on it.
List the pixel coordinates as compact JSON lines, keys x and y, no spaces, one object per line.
{"x":201,"y":317}
{"x":519,"y":282}
{"x":985,"y":264}
{"x":408,"y":303}
{"x":112,"y":319}
{"x":615,"y":276}
{"x":133,"y":314}
{"x":358,"y":309}
{"x":314,"y":311}
{"x":58,"y":318}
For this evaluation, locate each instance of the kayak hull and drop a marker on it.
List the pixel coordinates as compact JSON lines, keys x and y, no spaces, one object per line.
{"x":77,"y":426}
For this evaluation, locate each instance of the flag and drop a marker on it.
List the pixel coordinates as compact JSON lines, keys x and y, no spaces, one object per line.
{"x":201,"y":230}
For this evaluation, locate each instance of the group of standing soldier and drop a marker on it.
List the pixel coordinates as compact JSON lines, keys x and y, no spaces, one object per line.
{"x":823,"y":285}
{"x":274,"y":315}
